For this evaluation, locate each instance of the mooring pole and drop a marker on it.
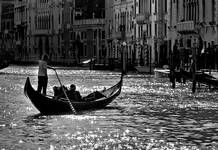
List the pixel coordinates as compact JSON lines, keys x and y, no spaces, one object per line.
{"x":172,"y":69}
{"x":210,"y":74}
{"x":150,"y":55}
{"x":194,"y":69}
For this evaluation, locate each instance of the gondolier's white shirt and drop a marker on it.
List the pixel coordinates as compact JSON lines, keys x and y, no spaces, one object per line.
{"x":42,"y":68}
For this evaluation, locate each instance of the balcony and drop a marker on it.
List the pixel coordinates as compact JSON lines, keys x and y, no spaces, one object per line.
{"x":117,"y":35}
{"x":142,"y":18}
{"x":89,"y":22}
{"x":186,"y":27}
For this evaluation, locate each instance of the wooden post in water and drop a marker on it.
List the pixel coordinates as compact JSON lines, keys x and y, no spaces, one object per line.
{"x":210,"y":74}
{"x":150,"y":55}
{"x":194,"y":68}
{"x":172,"y":70}
{"x":173,"y":65}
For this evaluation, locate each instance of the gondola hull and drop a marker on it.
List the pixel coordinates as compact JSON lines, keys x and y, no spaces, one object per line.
{"x":201,"y":78}
{"x":49,"y":105}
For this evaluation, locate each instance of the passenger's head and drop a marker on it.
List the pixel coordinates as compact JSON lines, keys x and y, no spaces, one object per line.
{"x":45,"y":57}
{"x":55,"y":88}
{"x":73,"y":87}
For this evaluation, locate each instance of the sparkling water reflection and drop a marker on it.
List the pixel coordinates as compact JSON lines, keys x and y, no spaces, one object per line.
{"x":147,"y":115}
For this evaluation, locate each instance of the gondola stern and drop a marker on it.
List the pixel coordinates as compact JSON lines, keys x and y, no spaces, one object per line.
{"x":26,"y":86}
{"x":121,"y":79}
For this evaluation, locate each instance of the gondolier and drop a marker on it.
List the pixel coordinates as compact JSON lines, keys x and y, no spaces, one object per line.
{"x":42,"y":74}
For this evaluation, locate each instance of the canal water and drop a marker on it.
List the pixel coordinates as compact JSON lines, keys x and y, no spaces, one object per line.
{"x":148,"y":114}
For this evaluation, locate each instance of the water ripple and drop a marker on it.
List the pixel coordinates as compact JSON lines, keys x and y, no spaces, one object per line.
{"x":148,"y":114}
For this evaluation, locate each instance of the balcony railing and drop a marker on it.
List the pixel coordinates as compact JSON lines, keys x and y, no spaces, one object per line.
{"x":142,"y":18}
{"x":19,"y":3}
{"x":90,"y":22}
{"x":117,"y":35}
{"x":186,"y":27}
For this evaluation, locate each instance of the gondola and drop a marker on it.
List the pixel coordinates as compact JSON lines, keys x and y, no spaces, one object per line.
{"x":201,"y":78}
{"x":50,"y":105}
{"x":208,"y":79}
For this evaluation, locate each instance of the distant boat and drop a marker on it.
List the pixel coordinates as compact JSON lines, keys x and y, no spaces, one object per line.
{"x":87,"y":61}
{"x":201,"y":78}
{"x":161,"y":73}
{"x":4,"y":64}
{"x":49,"y":105}
{"x":6,"y":57}
{"x":143,"y":69}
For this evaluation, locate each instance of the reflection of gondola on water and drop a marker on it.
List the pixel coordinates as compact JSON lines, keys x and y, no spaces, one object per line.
{"x":50,"y":105}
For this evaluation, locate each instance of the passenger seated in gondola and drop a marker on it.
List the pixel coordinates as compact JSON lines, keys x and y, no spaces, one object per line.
{"x":73,"y":94}
{"x":58,"y":91}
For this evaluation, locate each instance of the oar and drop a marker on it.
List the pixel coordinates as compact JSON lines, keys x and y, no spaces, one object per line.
{"x":71,"y":106}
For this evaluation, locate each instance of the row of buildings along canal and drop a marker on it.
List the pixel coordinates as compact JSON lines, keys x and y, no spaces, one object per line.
{"x":145,"y":31}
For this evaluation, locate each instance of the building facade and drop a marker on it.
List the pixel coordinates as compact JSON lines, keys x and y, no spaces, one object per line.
{"x":45,"y":33}
{"x":62,"y":29}
{"x":151,"y":31}
{"x":193,"y":24}
{"x":71,"y":31}
{"x":20,"y":28}
{"x":88,"y":34}
{"x":123,"y":31}
{"x":7,"y":41}
{"x":109,"y":13}
{"x":197,"y":18}
{"x":2,"y":5}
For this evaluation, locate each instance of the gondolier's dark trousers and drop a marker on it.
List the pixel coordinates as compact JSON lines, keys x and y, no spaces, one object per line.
{"x":42,"y":84}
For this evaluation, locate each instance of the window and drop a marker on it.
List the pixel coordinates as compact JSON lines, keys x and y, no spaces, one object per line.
{"x":177,"y":10}
{"x":82,"y":37}
{"x":155,"y":30}
{"x":94,"y":50}
{"x":140,"y":6}
{"x":85,"y":35}
{"x":150,"y":7}
{"x":150,"y":31}
{"x":165,"y":6}
{"x":103,"y":34}
{"x":189,"y":42}
{"x":155,"y":7}
{"x":213,"y":10}
{"x":99,"y":33}
{"x":95,"y":34}
{"x":165,"y":29}
{"x":212,"y":43}
{"x":85,"y":50}
{"x":203,"y":5}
